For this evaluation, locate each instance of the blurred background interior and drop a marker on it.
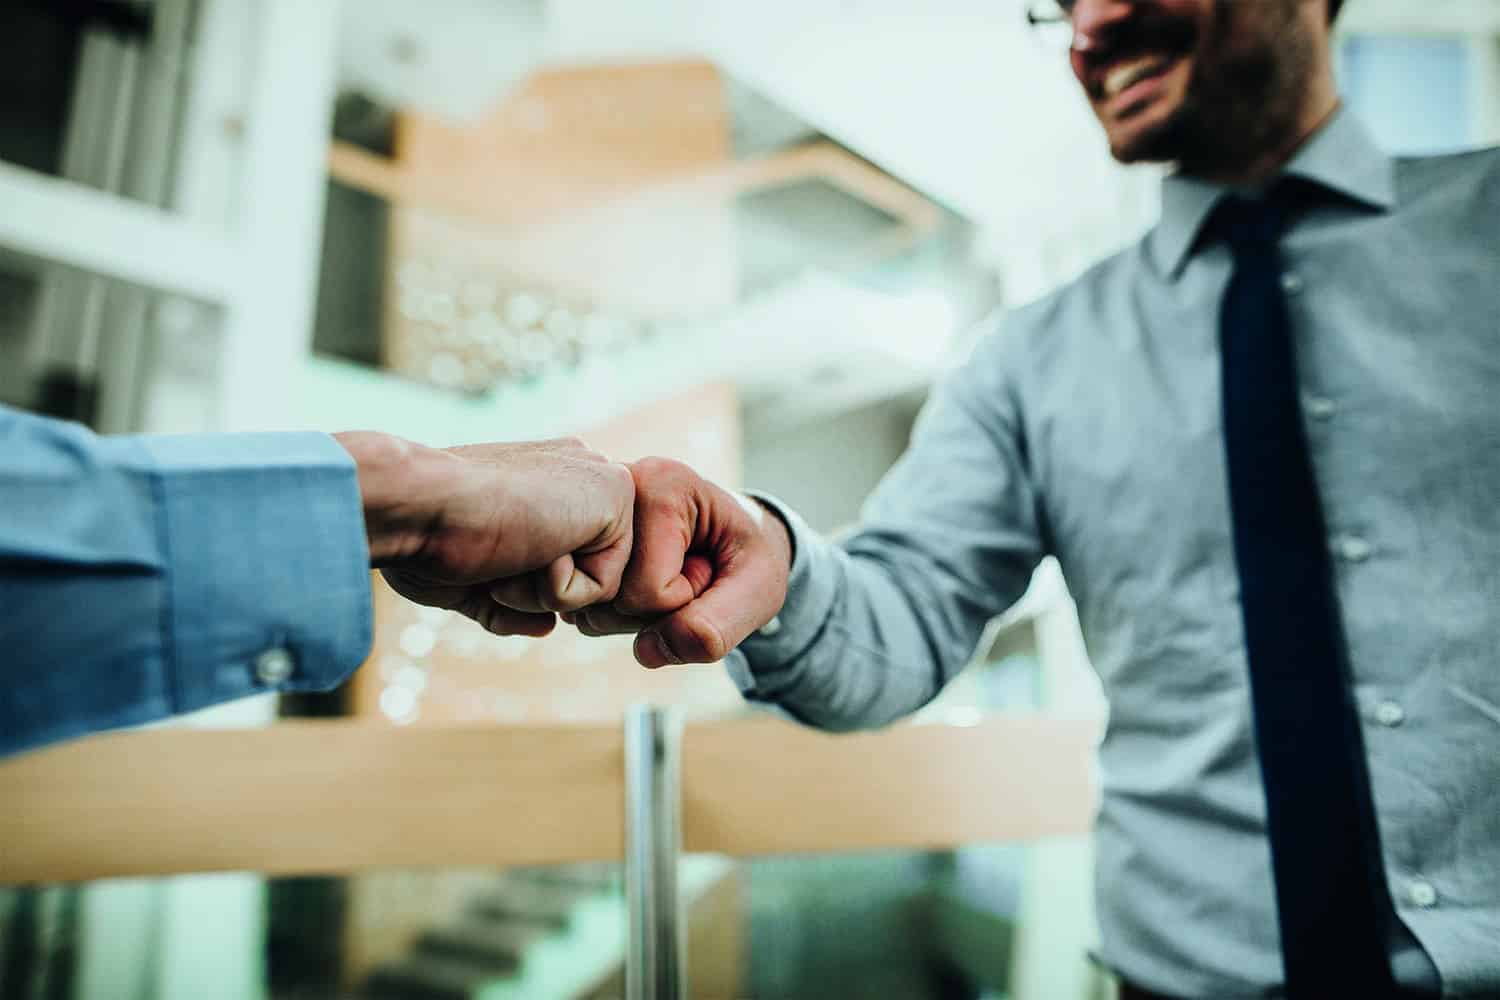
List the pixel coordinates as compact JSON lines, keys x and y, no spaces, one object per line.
{"x":467,"y":220}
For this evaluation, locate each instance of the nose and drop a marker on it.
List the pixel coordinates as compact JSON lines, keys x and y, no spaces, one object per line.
{"x":1093,"y":20}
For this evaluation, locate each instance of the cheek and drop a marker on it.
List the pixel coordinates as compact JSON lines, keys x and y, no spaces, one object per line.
{"x":1080,"y":68}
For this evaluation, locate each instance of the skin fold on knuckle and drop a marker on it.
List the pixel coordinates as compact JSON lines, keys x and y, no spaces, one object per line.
{"x":570,"y":596}
{"x":608,"y":589}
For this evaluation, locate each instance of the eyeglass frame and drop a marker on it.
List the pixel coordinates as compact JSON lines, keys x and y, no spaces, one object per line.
{"x":1063,"y":13}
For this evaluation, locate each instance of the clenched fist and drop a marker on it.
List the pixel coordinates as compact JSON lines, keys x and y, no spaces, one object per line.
{"x":549,"y":519}
{"x":708,"y":569}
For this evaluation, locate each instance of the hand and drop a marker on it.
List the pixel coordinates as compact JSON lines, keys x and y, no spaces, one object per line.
{"x":708,"y":569}
{"x":447,"y":527}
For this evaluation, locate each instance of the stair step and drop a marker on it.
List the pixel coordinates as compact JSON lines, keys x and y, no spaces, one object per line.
{"x":600,"y":876}
{"x":499,"y":946}
{"x":426,"y":977}
{"x":549,"y":906}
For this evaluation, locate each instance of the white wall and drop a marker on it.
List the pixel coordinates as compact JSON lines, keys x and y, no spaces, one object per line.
{"x":958,"y":98}
{"x":825,"y":468}
{"x":1484,"y":70}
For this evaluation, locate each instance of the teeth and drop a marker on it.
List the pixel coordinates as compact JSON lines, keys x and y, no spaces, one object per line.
{"x":1128,"y":73}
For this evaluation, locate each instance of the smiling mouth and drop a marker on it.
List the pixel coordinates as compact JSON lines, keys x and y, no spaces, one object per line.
{"x":1126,"y":86}
{"x":1122,"y":76}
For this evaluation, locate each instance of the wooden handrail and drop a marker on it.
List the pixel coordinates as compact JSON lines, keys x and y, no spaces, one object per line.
{"x":338,"y":796}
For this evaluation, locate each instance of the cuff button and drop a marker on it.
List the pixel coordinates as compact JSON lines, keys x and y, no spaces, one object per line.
{"x":274,"y":666}
{"x":1422,"y":894}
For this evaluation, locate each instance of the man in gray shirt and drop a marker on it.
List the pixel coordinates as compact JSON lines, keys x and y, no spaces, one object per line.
{"x":1112,"y":426}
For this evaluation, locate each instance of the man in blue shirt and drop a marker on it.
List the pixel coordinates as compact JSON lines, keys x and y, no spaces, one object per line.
{"x":150,"y":575}
{"x":1264,"y":445}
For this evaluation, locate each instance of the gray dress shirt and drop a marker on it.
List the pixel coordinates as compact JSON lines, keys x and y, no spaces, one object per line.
{"x":1088,"y":427}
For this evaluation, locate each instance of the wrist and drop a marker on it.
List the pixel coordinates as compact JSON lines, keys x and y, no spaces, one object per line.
{"x":392,"y":474}
{"x":773,"y":527}
{"x":779,"y":535}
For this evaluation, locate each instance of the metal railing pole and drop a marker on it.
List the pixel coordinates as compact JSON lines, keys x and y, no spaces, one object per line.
{"x":655,"y":963}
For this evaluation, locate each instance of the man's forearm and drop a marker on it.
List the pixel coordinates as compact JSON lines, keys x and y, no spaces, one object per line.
{"x":873,"y":627}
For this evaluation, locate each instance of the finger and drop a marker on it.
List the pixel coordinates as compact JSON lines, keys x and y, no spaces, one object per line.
{"x":520,"y":593}
{"x":584,"y":579}
{"x":604,"y":620}
{"x":697,"y":570}
{"x":665,"y":526}
{"x":587,"y":627}
{"x":503,"y":621}
{"x":735,"y":605}
{"x":500,"y":620}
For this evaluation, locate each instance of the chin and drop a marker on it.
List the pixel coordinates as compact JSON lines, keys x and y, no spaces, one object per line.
{"x":1156,"y":132}
{"x":1152,"y":141}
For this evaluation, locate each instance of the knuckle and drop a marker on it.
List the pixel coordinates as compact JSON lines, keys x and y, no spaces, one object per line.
{"x":618,"y":476}
{"x":655,"y":469}
{"x":649,"y":466}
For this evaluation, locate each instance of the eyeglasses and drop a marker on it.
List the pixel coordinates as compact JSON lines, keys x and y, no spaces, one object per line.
{"x":1052,"y":21}
{"x":1039,"y":12}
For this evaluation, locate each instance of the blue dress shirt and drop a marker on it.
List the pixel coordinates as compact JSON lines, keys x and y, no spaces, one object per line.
{"x":145,"y":576}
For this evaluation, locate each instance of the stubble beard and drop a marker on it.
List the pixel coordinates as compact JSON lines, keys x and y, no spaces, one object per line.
{"x":1241,"y":101}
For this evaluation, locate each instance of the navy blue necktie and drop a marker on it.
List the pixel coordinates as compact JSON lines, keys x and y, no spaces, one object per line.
{"x":1332,"y":901}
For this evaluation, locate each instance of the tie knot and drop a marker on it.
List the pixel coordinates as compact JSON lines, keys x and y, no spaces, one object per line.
{"x":1258,"y":223}
{"x":1249,"y":223}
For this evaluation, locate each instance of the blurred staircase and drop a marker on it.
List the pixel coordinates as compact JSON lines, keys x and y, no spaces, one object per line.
{"x":555,"y":933}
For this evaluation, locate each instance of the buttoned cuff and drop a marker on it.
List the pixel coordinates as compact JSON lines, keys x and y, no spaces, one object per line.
{"x":766,"y":660}
{"x":268,"y":583}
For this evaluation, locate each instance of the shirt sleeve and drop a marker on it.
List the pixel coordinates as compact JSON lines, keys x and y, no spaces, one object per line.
{"x":146,"y":576}
{"x":874,"y":626}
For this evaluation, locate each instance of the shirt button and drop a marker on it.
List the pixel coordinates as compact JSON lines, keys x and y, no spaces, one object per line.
{"x":770,"y":628}
{"x":1389,"y":714}
{"x":1422,"y":894}
{"x":1354,"y":549}
{"x":273,"y":666}
{"x":1320,"y":407}
{"x":1291,"y":282}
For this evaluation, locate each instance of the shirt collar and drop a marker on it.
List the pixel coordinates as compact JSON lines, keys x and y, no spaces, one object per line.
{"x":1341,"y":156}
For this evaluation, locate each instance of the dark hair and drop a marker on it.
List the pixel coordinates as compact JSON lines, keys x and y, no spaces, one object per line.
{"x":1333,"y":9}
